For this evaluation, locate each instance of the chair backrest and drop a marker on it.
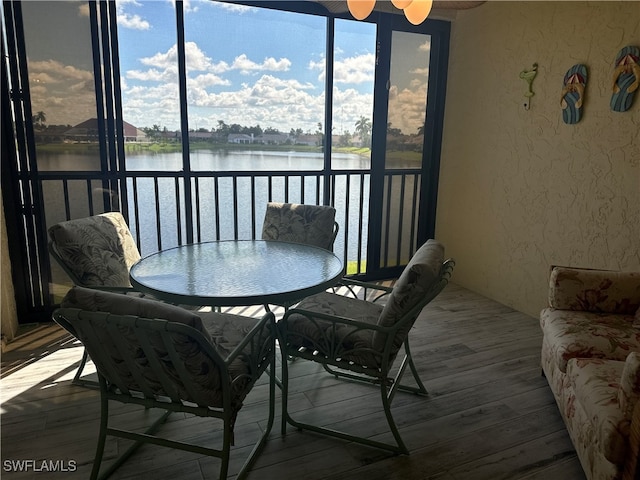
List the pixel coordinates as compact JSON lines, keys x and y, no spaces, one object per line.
{"x":95,"y":251}
{"x":146,"y":347}
{"x":424,"y":277}
{"x":300,"y":223}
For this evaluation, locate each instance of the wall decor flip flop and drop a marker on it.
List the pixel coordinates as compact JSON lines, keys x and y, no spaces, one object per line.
{"x":626,"y":78}
{"x":572,"y":99}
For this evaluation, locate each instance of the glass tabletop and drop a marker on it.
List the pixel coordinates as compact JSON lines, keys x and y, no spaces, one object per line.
{"x":240,"y":272}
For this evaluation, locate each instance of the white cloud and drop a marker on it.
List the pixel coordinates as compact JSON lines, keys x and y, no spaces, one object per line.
{"x":246,"y":66}
{"x":133,"y":21}
{"x":407,"y":108}
{"x":234,"y":7}
{"x":209,"y":79}
{"x":53,"y":71}
{"x":154,"y":75}
{"x":65,"y":93}
{"x":128,"y":20}
{"x":350,"y":70}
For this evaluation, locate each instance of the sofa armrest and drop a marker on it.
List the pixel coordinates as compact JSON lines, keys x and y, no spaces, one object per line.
{"x":600,"y":291}
{"x":629,"y":390}
{"x":632,"y":465}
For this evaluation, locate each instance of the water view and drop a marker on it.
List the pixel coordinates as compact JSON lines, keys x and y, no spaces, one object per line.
{"x":224,"y":207}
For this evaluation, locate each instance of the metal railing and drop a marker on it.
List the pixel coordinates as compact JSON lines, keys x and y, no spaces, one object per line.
{"x":231,"y":205}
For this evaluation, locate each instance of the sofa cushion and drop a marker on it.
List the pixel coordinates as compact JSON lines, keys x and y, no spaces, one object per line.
{"x":595,"y":383}
{"x":572,"y":334}
{"x":594,"y":290}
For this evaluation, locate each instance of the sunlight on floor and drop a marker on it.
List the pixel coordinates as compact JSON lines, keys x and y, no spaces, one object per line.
{"x":60,"y":366}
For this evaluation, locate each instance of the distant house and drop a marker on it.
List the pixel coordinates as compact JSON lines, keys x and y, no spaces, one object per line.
{"x":311,"y":140}
{"x":272,"y":138}
{"x":201,"y":136}
{"x":239,"y":138}
{"x":87,"y":131}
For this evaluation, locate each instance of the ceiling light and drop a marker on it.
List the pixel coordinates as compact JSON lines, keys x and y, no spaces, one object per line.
{"x":416,"y":11}
{"x":360,"y":9}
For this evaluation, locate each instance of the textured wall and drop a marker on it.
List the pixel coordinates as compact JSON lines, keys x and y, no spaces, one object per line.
{"x":520,"y":190}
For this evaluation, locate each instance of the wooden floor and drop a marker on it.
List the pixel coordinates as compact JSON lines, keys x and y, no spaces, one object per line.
{"x":490,"y":414}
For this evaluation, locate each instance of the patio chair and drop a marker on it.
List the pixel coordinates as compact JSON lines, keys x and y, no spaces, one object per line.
{"x":359,"y":339}
{"x":301,"y":223}
{"x":158,"y":355}
{"x":96,"y":252}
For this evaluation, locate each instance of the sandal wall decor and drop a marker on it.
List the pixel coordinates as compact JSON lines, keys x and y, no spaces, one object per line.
{"x":626,"y":78}
{"x":575,"y":81}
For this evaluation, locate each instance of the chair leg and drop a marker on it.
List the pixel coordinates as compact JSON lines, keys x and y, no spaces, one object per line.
{"x":285,"y":392}
{"x":77,"y":380}
{"x":386,"y":403}
{"x":102,"y":435}
{"x":260,"y":445}
{"x":421,"y":390}
{"x":399,"y":448}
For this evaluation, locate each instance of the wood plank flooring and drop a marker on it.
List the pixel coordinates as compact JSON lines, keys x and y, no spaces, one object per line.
{"x":489,"y":414}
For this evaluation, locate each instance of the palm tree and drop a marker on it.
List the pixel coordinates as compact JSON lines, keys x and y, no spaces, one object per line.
{"x":39,"y":119}
{"x":363,"y":128}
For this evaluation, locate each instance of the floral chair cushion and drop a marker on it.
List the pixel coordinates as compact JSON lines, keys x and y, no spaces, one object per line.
{"x":572,"y":334}
{"x":224,"y":331}
{"x":422,"y":271}
{"x":594,"y":290}
{"x":595,"y":384}
{"x":99,"y":250}
{"x":331,"y":339}
{"x":299,"y":223}
{"x":93,"y":300}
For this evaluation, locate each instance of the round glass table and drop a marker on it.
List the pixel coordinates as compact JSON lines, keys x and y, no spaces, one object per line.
{"x":237,"y":272}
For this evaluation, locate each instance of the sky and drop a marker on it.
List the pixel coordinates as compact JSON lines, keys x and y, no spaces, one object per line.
{"x":245,"y":65}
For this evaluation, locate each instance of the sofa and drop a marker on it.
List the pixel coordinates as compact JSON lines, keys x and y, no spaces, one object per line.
{"x":591,"y":360}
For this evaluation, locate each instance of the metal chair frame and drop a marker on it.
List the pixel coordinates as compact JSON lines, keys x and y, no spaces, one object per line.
{"x":114,"y":387}
{"x":380,"y":376}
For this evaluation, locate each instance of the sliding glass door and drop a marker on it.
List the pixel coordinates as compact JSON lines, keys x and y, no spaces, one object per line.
{"x":190,"y":116}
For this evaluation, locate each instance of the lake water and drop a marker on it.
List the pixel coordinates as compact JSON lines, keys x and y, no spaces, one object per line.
{"x":246,"y":160}
{"x":157,"y":205}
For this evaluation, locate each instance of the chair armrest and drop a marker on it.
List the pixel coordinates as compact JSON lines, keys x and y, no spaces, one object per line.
{"x":335,"y":319}
{"x":349,"y":284}
{"x":599,"y":291}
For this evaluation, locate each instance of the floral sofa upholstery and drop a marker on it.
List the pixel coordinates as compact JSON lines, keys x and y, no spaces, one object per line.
{"x":591,"y":359}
